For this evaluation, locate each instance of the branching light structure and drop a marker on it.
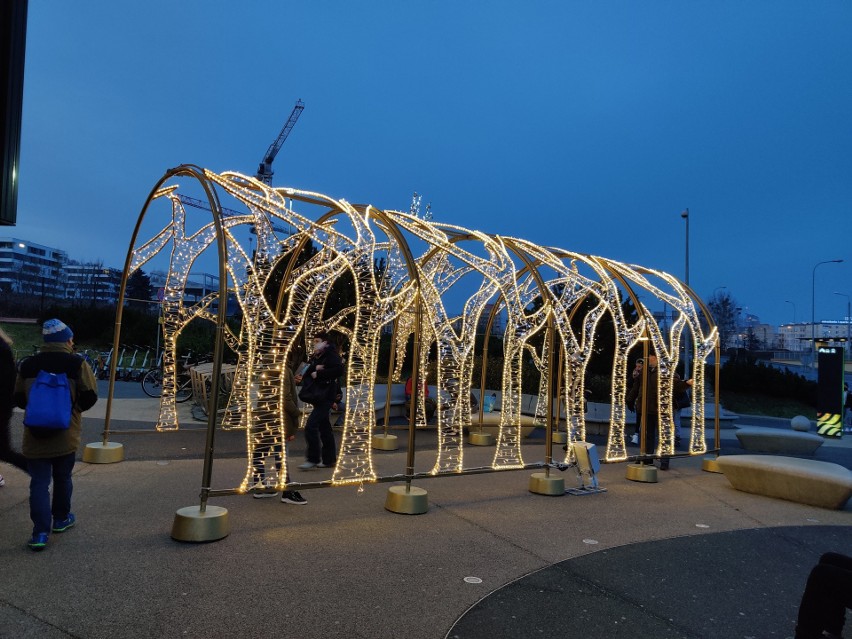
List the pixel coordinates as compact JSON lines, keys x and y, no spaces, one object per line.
{"x":536,"y":287}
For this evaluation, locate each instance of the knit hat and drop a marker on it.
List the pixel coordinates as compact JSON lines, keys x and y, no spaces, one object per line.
{"x":55,"y":331}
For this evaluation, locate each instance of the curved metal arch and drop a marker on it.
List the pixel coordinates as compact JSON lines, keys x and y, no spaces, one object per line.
{"x":197,"y":173}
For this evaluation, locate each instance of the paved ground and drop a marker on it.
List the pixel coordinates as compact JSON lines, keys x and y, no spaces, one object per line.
{"x":685,"y":557}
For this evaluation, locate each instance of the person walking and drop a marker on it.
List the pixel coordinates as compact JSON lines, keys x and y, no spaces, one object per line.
{"x":325,"y":366}
{"x":635,"y":398}
{"x":827,"y":595}
{"x":51,"y":453}
{"x":847,"y":409}
{"x":269,"y":446}
{"x":7,"y":387}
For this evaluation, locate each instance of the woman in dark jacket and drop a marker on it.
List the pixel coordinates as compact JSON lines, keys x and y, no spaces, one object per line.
{"x":7,"y":386}
{"x":325,"y":367}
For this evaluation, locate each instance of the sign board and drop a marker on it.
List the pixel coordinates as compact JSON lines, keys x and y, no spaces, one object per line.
{"x":830,"y":391}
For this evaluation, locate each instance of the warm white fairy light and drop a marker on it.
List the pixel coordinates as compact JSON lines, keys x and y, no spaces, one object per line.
{"x":681,"y":302}
{"x":508,"y":276}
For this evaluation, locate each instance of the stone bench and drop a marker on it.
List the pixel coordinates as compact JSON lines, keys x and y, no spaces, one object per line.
{"x":806,"y":481}
{"x":775,"y":440}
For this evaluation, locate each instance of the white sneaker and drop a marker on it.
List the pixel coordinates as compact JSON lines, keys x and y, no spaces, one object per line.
{"x":307,"y":466}
{"x":634,"y":439}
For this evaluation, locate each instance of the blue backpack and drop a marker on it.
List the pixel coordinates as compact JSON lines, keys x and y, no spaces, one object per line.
{"x":49,"y":403}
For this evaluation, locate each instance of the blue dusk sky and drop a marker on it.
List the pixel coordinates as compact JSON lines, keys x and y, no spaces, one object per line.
{"x":588,"y":125}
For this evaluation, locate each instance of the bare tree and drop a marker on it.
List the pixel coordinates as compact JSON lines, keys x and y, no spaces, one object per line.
{"x":724,"y":309}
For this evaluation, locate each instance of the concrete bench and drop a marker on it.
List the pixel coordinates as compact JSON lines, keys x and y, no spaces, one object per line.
{"x":805,"y":481}
{"x":775,"y":440}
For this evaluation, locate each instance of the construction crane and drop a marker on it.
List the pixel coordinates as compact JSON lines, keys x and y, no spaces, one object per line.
{"x":264,"y":171}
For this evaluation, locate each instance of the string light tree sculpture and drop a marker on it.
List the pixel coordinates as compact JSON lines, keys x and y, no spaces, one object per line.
{"x":351,"y":239}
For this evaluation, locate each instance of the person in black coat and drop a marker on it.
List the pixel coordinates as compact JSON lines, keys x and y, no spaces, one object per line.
{"x":634,"y":399}
{"x":325,"y":366}
{"x":7,"y":387}
{"x":827,"y":595}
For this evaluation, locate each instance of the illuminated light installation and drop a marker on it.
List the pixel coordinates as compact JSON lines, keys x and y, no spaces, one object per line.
{"x":681,"y":301}
{"x":185,"y":250}
{"x":512,"y":274}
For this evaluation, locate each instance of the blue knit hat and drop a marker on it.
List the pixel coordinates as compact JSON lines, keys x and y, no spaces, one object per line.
{"x":55,"y":331}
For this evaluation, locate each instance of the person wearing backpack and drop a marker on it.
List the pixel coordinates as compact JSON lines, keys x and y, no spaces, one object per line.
{"x":53,"y":387}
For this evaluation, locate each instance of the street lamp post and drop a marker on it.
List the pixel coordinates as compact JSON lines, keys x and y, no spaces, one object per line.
{"x":848,"y":321}
{"x":813,"y":300}
{"x":686,"y":373}
{"x":794,"y":309}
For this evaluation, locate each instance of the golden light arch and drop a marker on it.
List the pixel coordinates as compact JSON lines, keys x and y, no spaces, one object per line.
{"x":423,"y":260}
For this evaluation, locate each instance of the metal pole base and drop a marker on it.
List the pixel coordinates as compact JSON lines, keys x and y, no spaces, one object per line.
{"x":407,"y":501}
{"x":191,"y":524}
{"x":711,"y":465}
{"x":480,"y":439}
{"x":542,"y":484}
{"x":100,"y":453}
{"x":642,"y":472}
{"x":385,"y":442}
{"x":560,"y":438}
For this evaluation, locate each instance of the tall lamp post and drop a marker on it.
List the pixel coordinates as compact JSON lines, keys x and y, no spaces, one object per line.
{"x":794,"y":309}
{"x":848,"y":320}
{"x":813,"y":300}
{"x":686,"y":373}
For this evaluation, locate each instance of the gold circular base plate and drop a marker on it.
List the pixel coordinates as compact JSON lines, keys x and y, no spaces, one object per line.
{"x":413,"y":501}
{"x":560,"y":438}
{"x":480,"y":439}
{"x":385,"y":442}
{"x":710,"y":465}
{"x":100,"y":453}
{"x":191,"y":524}
{"x":542,"y":484}
{"x":642,"y":472}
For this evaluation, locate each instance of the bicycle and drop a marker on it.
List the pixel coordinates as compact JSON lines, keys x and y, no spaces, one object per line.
{"x":152,"y":385}
{"x":152,"y":381}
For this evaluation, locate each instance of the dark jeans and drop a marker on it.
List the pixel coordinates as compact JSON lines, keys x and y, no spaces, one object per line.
{"x":320,"y":437}
{"x":827,"y":595}
{"x":261,"y":452}
{"x":41,"y":471}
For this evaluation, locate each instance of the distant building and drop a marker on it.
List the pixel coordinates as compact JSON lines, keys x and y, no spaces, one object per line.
{"x":497,"y":327}
{"x":32,"y":269}
{"x":198,"y":285}
{"x":797,"y":337}
{"x":92,"y":283}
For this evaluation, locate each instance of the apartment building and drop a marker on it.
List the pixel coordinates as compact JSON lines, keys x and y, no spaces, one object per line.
{"x":33,"y":269}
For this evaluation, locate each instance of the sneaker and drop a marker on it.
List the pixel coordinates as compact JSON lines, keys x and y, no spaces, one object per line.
{"x":266,"y":491}
{"x":634,"y":439}
{"x":324,"y":465}
{"x":2,"y":481}
{"x":308,"y":465}
{"x":293,"y":497}
{"x":65,"y":524}
{"x":38,"y":541}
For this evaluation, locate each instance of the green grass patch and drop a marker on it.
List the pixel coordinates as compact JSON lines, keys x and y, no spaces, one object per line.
{"x":756,"y":404}
{"x":23,"y":337}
